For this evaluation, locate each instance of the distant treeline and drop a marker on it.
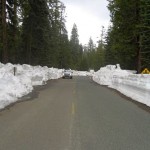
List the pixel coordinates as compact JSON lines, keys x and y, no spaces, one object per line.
{"x":34,"y":32}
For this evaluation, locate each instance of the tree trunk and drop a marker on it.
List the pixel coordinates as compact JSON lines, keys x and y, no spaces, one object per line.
{"x":4,"y":34}
{"x":138,"y":37}
{"x":0,"y":22}
{"x":139,"y":57}
{"x":15,"y":31}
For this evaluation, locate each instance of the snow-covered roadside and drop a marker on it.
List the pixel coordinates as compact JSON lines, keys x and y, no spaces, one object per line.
{"x":135,"y":86}
{"x":13,"y":87}
{"x":82,"y":73}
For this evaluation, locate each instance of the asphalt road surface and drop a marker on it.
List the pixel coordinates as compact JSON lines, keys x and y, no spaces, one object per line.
{"x":75,"y":114}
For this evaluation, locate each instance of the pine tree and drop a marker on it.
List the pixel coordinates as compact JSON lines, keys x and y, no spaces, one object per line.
{"x":75,"y":47}
{"x":64,"y":53}
{"x":91,"y":52}
{"x":3,"y":31}
{"x":35,"y":33}
{"x":9,"y":29}
{"x":144,"y":29}
{"x":13,"y":30}
{"x":59,"y":46}
{"x":91,"y":46}
{"x":125,"y":38}
{"x":84,"y":66}
{"x":55,"y":20}
{"x":100,"y":51}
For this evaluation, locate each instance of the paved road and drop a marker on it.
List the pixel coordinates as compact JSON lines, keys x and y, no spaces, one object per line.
{"x":75,"y":114}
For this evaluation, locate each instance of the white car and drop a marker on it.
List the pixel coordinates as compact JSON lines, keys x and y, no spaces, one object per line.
{"x":67,"y":74}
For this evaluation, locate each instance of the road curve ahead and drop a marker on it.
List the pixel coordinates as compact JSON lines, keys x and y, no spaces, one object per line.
{"x":75,"y":114}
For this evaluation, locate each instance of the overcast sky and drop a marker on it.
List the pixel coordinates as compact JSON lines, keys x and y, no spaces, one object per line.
{"x":89,"y":16}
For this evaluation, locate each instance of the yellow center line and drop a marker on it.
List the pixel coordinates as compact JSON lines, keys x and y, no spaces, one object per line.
{"x":73,"y":109}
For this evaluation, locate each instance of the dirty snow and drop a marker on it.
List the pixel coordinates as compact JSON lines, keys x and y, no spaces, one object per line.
{"x":135,"y":86}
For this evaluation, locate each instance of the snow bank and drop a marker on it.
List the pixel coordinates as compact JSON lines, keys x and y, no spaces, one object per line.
{"x":13,"y":87}
{"x":82,"y":73}
{"x":135,"y":86}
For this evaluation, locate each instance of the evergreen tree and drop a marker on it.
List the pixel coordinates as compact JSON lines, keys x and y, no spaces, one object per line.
{"x":75,"y":47}
{"x":91,"y":53}
{"x":3,"y":31}
{"x":100,"y":51}
{"x":91,"y":46}
{"x":35,"y":33}
{"x":84,"y":65}
{"x":9,"y":29}
{"x":13,"y":31}
{"x":59,"y":44}
{"x":111,"y":53}
{"x":144,"y":29}
{"x":124,"y":38}
{"x":55,"y":18}
{"x":64,"y":53}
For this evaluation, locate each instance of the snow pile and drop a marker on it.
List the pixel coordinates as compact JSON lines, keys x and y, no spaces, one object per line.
{"x":135,"y":86}
{"x":105,"y":75}
{"x":13,"y":87}
{"x":81,"y":73}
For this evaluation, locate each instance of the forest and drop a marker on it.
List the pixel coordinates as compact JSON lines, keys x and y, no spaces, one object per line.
{"x":34,"y":32}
